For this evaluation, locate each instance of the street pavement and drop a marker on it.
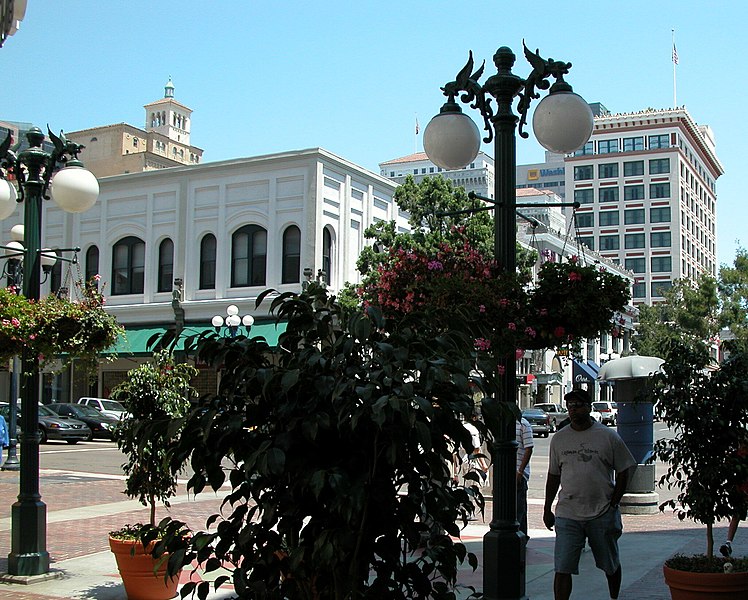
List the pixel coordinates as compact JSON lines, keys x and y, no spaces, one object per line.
{"x":83,"y":507}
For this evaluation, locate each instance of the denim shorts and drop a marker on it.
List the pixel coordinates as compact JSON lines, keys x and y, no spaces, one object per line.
{"x":602,"y":532}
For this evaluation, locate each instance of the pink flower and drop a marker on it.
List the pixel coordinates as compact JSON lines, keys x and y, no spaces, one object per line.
{"x":482,"y":344}
{"x":559,"y":332}
{"x":435,"y":265}
{"x":530,"y":332}
{"x":97,"y":277}
{"x":574,"y":276}
{"x":482,"y":308}
{"x":511,"y":326}
{"x":519,"y":354}
{"x":32,"y":336}
{"x":15,"y":322}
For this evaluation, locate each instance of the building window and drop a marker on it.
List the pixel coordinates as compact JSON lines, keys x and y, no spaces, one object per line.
{"x":327,"y":250}
{"x":248,"y":256}
{"x":585,"y":196}
{"x":415,"y":171}
{"x":128,"y":266}
{"x":660,"y":287}
{"x":639,"y":290}
{"x":165,"y":266}
{"x":633,"y":216}
{"x":609,"y":217}
{"x":608,"y":194}
{"x":583,"y":173}
{"x":657,"y":166}
{"x":659,"y":239}
{"x":637,"y":265}
{"x":659,"y":190}
{"x":633,"y":144}
{"x":659,"y":214}
{"x":661,"y":264}
{"x":586,"y":219}
{"x":607,"y":170}
{"x":633,"y":240}
{"x":610,"y":242}
{"x":633,"y":168}
{"x":208,"y":262}
{"x":92,"y":262}
{"x":588,"y":148}
{"x":659,"y":141}
{"x":587,"y":240}
{"x":291,"y":255}
{"x":607,"y":146}
{"x":633,"y":192}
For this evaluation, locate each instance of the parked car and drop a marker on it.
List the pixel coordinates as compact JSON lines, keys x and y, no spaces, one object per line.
{"x":608,"y":412}
{"x":52,"y":426}
{"x":101,"y":425}
{"x":110,"y":408}
{"x":555,"y":412}
{"x":539,"y":420}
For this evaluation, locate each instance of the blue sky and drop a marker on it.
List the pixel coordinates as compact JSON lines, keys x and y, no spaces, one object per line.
{"x":353,"y":76}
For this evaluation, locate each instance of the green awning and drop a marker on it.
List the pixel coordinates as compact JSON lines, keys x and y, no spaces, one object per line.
{"x":135,"y":341}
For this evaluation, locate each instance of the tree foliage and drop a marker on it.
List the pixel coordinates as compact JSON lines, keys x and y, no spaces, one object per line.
{"x":733,"y":292}
{"x":336,"y":446}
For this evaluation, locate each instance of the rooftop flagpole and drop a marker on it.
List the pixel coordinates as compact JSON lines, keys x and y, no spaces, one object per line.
{"x":675,"y":64}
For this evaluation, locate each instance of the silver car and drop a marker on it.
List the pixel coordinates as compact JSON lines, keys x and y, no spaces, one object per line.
{"x":54,"y":427}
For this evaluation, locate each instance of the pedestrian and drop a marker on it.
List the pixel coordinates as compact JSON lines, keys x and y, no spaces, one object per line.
{"x":525,"y":445}
{"x":591,"y":465}
{"x":726,"y":548}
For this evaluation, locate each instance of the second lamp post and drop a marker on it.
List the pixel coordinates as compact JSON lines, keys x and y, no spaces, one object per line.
{"x":563,"y":123}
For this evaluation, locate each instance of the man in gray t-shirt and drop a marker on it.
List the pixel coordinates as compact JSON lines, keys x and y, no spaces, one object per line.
{"x":591,"y":465}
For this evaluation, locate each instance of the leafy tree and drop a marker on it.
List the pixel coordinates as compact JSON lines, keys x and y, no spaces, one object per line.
{"x":733,"y":292}
{"x":690,"y":311}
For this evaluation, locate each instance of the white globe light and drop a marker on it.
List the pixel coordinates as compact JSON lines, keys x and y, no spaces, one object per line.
{"x":217,"y":321}
{"x":13,"y":248}
{"x":7,"y":199}
{"x":563,"y":122}
{"x":232,"y":309}
{"x":48,"y":258}
{"x":451,"y":139}
{"x":75,"y":189}
{"x":16,"y":233}
{"x":233,"y":321}
{"x":248,"y":320}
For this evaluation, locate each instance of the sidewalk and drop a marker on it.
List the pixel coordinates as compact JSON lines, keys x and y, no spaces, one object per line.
{"x":83,"y":508}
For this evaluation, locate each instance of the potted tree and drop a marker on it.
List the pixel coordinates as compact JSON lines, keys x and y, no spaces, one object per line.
{"x":154,"y":391}
{"x":708,"y":413}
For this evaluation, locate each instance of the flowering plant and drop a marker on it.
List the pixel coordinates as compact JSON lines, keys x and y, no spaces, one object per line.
{"x":57,"y":328}
{"x":502,"y":311}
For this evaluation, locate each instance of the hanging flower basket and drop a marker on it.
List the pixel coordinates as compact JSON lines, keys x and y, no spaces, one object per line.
{"x":505,"y":311}
{"x":57,"y":328}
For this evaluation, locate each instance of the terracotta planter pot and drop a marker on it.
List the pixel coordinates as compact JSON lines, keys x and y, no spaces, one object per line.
{"x":685,"y":585}
{"x":137,"y":572}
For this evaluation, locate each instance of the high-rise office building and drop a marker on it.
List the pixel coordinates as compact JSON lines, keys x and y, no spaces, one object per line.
{"x":646,"y":185}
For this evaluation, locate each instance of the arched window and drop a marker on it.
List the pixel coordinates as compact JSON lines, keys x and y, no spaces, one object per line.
{"x":248,"y":256}
{"x":327,"y":254}
{"x":291,"y":255}
{"x":165,"y":266}
{"x":208,"y":262}
{"x":92,"y":262}
{"x":128,"y":266}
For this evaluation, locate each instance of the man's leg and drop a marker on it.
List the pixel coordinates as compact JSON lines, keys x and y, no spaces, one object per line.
{"x":614,"y":583}
{"x":522,"y":505}
{"x":562,"y":586}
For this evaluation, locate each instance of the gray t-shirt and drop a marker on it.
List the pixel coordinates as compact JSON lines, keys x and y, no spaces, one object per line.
{"x":587,"y":461}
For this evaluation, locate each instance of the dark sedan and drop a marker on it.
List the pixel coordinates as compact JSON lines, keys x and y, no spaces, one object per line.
{"x":53,"y":426}
{"x":101,"y":426}
{"x":539,"y":420}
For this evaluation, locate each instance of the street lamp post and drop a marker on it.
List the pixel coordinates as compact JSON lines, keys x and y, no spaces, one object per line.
{"x":563,"y":123}
{"x":75,"y":190}
{"x":232,"y":320}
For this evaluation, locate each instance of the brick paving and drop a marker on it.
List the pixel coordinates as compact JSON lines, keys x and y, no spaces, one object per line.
{"x":75,"y":534}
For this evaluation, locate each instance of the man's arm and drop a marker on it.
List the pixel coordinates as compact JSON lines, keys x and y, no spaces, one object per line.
{"x":622,"y":480}
{"x":524,"y":462}
{"x":553,"y":482}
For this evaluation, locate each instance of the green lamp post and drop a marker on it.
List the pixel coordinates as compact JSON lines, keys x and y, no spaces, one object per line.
{"x":563,"y":123}
{"x":75,"y":190}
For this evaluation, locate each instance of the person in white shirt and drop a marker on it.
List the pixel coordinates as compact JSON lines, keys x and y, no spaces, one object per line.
{"x":525,"y":445}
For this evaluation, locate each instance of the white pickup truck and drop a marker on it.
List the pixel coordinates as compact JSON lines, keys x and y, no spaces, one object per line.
{"x":556,"y":413}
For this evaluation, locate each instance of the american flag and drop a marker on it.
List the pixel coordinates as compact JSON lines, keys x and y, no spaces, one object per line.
{"x":675,"y":55}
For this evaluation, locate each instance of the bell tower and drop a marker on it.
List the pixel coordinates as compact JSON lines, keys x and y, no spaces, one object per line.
{"x":169,"y":117}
